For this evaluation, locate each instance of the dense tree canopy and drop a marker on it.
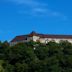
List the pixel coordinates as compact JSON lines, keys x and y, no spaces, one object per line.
{"x":36,"y":57}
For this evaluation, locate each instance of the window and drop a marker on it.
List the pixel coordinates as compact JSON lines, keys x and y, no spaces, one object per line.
{"x":46,"y":41}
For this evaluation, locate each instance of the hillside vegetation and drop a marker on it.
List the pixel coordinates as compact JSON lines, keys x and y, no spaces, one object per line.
{"x":36,"y":57}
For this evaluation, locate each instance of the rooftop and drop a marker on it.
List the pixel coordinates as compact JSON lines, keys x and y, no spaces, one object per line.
{"x":33,"y":33}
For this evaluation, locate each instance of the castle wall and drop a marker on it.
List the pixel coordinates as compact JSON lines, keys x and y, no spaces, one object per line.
{"x":35,"y":38}
{"x":41,"y":40}
{"x":46,"y":40}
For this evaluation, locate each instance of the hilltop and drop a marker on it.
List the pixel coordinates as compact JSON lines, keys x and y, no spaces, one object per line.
{"x":36,"y":57}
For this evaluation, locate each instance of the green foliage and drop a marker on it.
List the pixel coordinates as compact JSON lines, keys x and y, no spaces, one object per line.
{"x":9,"y":68}
{"x":1,"y":67}
{"x":21,"y":67}
{"x":51,"y":57}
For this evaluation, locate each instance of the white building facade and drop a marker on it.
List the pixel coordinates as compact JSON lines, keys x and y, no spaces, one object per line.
{"x":42,"y":38}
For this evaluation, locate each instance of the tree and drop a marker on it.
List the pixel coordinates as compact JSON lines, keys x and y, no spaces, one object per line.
{"x":21,"y":67}
{"x":9,"y":68}
{"x":51,"y":57}
{"x":1,"y":67}
{"x":41,"y":51}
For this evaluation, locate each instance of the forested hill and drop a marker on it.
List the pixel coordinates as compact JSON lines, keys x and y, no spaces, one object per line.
{"x":36,"y":57}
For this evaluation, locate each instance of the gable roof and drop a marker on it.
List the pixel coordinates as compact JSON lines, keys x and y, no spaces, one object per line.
{"x":23,"y":37}
{"x":55,"y":36}
{"x":19,"y":38}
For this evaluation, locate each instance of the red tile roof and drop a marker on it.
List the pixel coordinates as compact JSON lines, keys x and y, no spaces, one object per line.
{"x":33,"y":34}
{"x":19,"y":38}
{"x":23,"y":37}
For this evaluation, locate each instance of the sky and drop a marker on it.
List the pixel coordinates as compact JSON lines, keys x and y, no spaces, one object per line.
{"x":18,"y":17}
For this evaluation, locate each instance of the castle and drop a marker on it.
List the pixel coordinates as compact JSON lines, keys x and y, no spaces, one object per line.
{"x":42,"y":38}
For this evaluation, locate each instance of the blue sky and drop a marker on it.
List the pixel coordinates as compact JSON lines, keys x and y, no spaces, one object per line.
{"x":18,"y":17}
